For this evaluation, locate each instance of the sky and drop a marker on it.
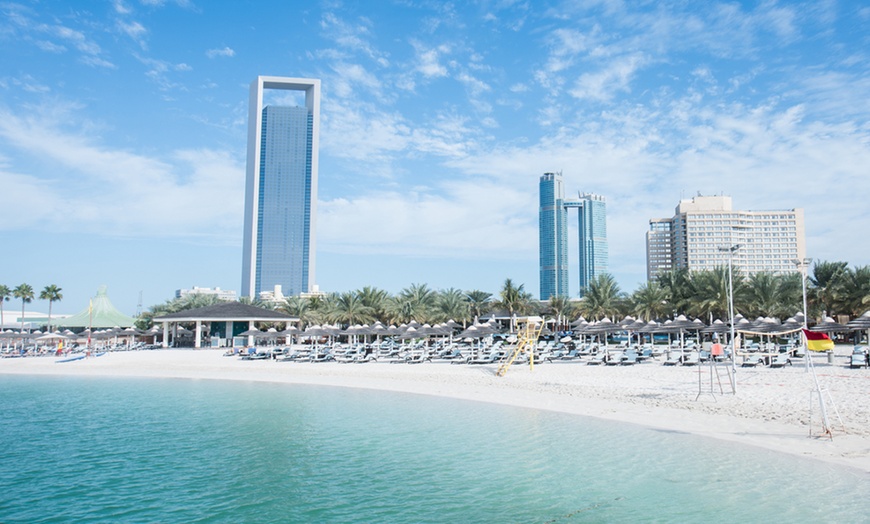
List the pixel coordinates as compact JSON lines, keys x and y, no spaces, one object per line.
{"x":123,"y":130}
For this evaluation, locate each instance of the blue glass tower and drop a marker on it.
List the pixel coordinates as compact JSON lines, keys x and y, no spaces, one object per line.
{"x":281,"y":190}
{"x":593,"y":238}
{"x":553,"y":237}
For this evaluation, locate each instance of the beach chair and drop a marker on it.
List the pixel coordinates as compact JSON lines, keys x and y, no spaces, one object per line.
{"x":751,"y":361}
{"x":614,"y":358}
{"x":629,"y":358}
{"x":780,"y":360}
{"x":597,"y":359}
{"x":692,"y":359}
{"x":676,"y":357}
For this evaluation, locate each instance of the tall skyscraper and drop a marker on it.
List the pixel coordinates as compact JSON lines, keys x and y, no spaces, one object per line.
{"x":703,"y":229}
{"x":281,"y":189}
{"x":593,"y":238}
{"x":553,"y":236}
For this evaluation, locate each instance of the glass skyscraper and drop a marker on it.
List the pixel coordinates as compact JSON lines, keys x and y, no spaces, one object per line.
{"x":281,"y":190}
{"x":553,"y":237}
{"x":593,"y":238}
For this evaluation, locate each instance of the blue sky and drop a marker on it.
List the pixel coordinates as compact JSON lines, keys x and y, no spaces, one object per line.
{"x":123,"y":132}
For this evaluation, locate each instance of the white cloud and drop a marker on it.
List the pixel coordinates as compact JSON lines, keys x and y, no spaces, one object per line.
{"x":428,"y":60}
{"x":135,"y":31}
{"x":51,"y":47}
{"x":224,"y":52}
{"x":605,"y":84}
{"x":114,"y":192}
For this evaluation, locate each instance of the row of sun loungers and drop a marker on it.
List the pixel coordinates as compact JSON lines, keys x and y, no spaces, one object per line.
{"x":458,"y":353}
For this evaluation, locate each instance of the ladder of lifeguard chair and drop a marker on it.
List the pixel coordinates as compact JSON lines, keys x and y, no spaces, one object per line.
{"x":528,"y":337}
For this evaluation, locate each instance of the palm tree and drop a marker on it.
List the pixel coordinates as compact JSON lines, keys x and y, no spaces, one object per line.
{"x":825,"y":279}
{"x":478,"y":303}
{"x":5,"y":294}
{"x":711,"y":293}
{"x":376,"y":299}
{"x":52,"y":294}
{"x":515,"y":299}
{"x":308,"y":310}
{"x":349,"y":309}
{"x":677,"y":284}
{"x":851,"y":291}
{"x":650,"y":301}
{"x":412,"y":303}
{"x":452,"y":304}
{"x":25,"y":293}
{"x":789,"y":294}
{"x":763,"y":295}
{"x":602,"y":298}
{"x":561,"y":308}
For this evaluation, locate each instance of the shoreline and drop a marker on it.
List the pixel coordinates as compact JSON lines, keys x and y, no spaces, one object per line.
{"x":770,"y":411}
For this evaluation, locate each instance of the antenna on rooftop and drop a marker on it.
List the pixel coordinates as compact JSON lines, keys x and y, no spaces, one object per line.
{"x":139,"y":305}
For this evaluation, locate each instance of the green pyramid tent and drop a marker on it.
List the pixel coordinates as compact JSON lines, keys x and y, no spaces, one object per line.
{"x":99,"y":314}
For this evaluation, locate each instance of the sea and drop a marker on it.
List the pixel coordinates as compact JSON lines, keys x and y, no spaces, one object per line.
{"x":78,"y":449}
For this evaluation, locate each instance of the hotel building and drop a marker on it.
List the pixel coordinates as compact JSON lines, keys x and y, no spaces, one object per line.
{"x":703,"y":230}
{"x":553,"y":236}
{"x":281,"y":189}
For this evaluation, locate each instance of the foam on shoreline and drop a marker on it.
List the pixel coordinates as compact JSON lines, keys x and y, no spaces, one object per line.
{"x":771,"y":409}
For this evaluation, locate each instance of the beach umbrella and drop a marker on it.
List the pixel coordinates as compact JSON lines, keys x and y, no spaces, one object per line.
{"x":829,"y":325}
{"x":862,"y":322}
{"x":716,"y":327}
{"x":52,"y":336}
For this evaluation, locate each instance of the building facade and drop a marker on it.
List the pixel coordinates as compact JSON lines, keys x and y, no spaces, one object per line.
{"x":553,"y":237}
{"x":222,"y":294}
{"x":704,"y":229}
{"x":281,"y":189}
{"x":593,"y":238}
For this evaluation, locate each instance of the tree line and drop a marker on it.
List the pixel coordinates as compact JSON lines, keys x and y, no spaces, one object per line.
{"x":833,"y":288}
{"x":25,"y":293}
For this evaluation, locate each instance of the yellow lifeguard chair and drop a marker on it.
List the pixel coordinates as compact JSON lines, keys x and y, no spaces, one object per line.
{"x":527,"y":340}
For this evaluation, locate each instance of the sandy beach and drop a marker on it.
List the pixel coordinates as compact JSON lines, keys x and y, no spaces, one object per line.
{"x":771,"y":409}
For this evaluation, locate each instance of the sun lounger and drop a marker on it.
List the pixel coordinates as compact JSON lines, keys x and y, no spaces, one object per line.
{"x":614,"y":358}
{"x":491,"y":358}
{"x":692,"y":359}
{"x":597,"y":359}
{"x":629,"y":358}
{"x":676,"y":357}
{"x":751,"y":361}
{"x":780,"y":360}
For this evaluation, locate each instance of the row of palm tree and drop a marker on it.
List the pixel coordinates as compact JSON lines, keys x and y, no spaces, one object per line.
{"x":833,"y":289}
{"x":25,"y":293}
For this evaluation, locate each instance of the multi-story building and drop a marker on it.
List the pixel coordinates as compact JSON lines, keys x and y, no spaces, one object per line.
{"x":553,"y":236}
{"x":593,"y":238}
{"x":659,"y":252}
{"x":705,"y":231}
{"x":281,"y":189}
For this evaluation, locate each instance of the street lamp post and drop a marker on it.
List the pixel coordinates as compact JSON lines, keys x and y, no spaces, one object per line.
{"x":802,"y":266}
{"x":731,"y":250}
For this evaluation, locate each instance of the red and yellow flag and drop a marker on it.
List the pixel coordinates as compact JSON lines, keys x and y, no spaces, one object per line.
{"x":818,"y":341}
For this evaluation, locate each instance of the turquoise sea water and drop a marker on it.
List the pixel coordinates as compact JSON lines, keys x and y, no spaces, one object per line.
{"x":137,"y":450}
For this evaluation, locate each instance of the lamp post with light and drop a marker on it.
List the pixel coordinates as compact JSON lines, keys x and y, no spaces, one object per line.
{"x":731,"y":250}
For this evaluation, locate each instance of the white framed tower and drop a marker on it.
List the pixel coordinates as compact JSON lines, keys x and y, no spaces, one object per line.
{"x":281,"y":189}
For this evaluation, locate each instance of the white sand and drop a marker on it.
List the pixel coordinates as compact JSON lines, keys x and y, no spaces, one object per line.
{"x":771,"y":409}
